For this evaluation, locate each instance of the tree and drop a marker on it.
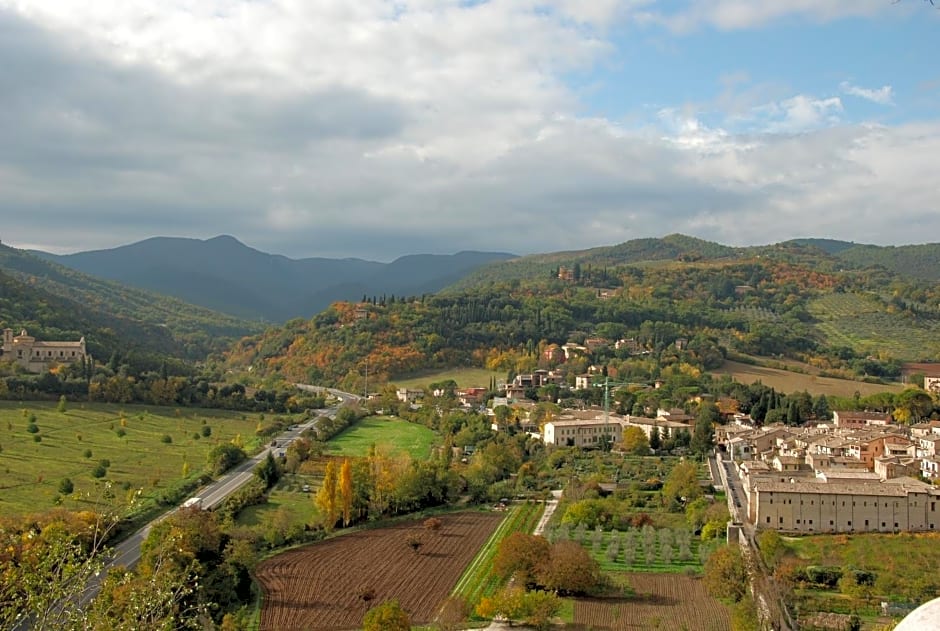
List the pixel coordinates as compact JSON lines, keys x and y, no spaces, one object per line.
{"x":656,"y":440}
{"x":725,"y":574}
{"x":520,"y":554}
{"x":534,"y":608}
{"x":346,"y":491}
{"x":62,"y":406}
{"x":66,"y":487}
{"x":703,"y":437}
{"x":634,"y":441}
{"x":268,"y":471}
{"x":682,"y":482}
{"x":389,"y":616}
{"x":569,"y":570}
{"x":326,"y":496}
{"x":224,"y":457}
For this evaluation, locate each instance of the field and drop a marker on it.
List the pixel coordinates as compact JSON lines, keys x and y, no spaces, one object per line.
{"x":478,"y":581}
{"x":660,"y":601}
{"x":787,"y":381}
{"x":158,"y":446}
{"x":330,"y":585}
{"x":897,"y":578}
{"x":392,"y":434}
{"x":465,"y":378}
{"x":863,"y":323}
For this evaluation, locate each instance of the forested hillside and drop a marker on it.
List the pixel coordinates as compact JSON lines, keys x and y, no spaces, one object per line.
{"x":785,"y":300}
{"x":55,"y":302}
{"x":226,"y":275}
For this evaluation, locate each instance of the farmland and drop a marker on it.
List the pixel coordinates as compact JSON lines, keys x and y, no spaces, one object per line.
{"x":863,"y":323}
{"x":464,"y":377}
{"x":787,"y":381}
{"x":330,"y":585}
{"x":478,"y":580}
{"x":391,"y":435}
{"x":142,"y":447}
{"x":659,"y":601}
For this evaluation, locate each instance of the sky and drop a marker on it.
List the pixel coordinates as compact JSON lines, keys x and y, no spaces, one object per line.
{"x":379,"y":128}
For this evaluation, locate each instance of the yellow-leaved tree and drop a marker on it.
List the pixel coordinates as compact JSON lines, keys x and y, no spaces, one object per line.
{"x":326,"y":496}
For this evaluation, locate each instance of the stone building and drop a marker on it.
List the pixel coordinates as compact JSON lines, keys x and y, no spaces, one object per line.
{"x":37,"y":356}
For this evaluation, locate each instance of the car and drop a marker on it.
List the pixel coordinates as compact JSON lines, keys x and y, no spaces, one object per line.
{"x":306,"y":488}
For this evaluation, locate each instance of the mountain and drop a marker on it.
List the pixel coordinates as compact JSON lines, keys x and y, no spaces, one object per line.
{"x":52,"y":301}
{"x":226,"y":275}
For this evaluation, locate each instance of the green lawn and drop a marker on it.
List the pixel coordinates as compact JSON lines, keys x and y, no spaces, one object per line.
{"x":30,"y":471}
{"x":390,"y":433}
{"x":465,"y":378}
{"x":288,"y":496}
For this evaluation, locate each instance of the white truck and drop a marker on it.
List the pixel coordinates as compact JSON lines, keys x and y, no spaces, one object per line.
{"x":193,"y":502}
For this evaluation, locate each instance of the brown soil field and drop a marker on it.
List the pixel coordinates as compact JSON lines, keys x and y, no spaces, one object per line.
{"x":320,"y":587}
{"x":789,"y":382}
{"x":661,"y":601}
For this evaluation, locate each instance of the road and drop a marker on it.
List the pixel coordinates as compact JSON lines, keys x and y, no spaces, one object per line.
{"x":127,"y":553}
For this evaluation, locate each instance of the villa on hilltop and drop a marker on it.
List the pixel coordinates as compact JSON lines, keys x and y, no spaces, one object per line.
{"x":36,"y":356}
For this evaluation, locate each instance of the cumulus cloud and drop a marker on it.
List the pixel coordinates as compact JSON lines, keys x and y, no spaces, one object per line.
{"x":376,"y":129}
{"x":882,"y":96}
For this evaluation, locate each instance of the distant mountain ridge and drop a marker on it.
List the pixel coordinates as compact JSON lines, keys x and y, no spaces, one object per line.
{"x":226,"y":275}
{"x":53,"y":300}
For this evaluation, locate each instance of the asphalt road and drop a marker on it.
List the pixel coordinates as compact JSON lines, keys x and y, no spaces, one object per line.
{"x":127,"y":553}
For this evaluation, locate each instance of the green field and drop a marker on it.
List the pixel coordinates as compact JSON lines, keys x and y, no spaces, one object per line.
{"x":787,"y":381}
{"x":391,"y":434}
{"x":30,"y":471}
{"x":464,"y":377}
{"x":862,"y":322}
{"x":904,"y":566}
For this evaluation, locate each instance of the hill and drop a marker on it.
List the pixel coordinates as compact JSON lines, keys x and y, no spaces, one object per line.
{"x":225,"y":275}
{"x":783,"y":300}
{"x":55,"y":302}
{"x":918,"y":261}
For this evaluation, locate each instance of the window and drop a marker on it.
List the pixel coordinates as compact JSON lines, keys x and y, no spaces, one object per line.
{"x":866,"y":522}
{"x":797,"y":521}
{"x":781,"y":520}
{"x":768,"y":519}
{"x":831,"y":522}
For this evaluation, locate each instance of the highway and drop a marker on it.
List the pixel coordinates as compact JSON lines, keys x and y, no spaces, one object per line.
{"x":127,"y":553}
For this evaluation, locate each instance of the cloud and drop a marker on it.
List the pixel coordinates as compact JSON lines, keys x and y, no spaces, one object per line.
{"x":375,"y":129}
{"x":882,"y":96}
{"x":728,"y":15}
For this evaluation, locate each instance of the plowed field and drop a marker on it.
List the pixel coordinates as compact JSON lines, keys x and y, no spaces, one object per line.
{"x":320,"y":587}
{"x":662,"y":601}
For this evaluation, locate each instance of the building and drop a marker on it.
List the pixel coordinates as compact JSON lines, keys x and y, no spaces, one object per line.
{"x":901,"y":504}
{"x":37,"y":356}
{"x":583,"y":432}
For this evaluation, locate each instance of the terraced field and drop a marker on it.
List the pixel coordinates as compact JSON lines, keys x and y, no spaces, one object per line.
{"x":863,"y":323}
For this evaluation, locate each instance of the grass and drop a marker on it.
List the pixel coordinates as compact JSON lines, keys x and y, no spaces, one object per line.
{"x":30,"y":472}
{"x":787,"y":381}
{"x":389,"y":432}
{"x":477,"y":580}
{"x":889,"y":556}
{"x":464,"y":377}
{"x":287,"y":496}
